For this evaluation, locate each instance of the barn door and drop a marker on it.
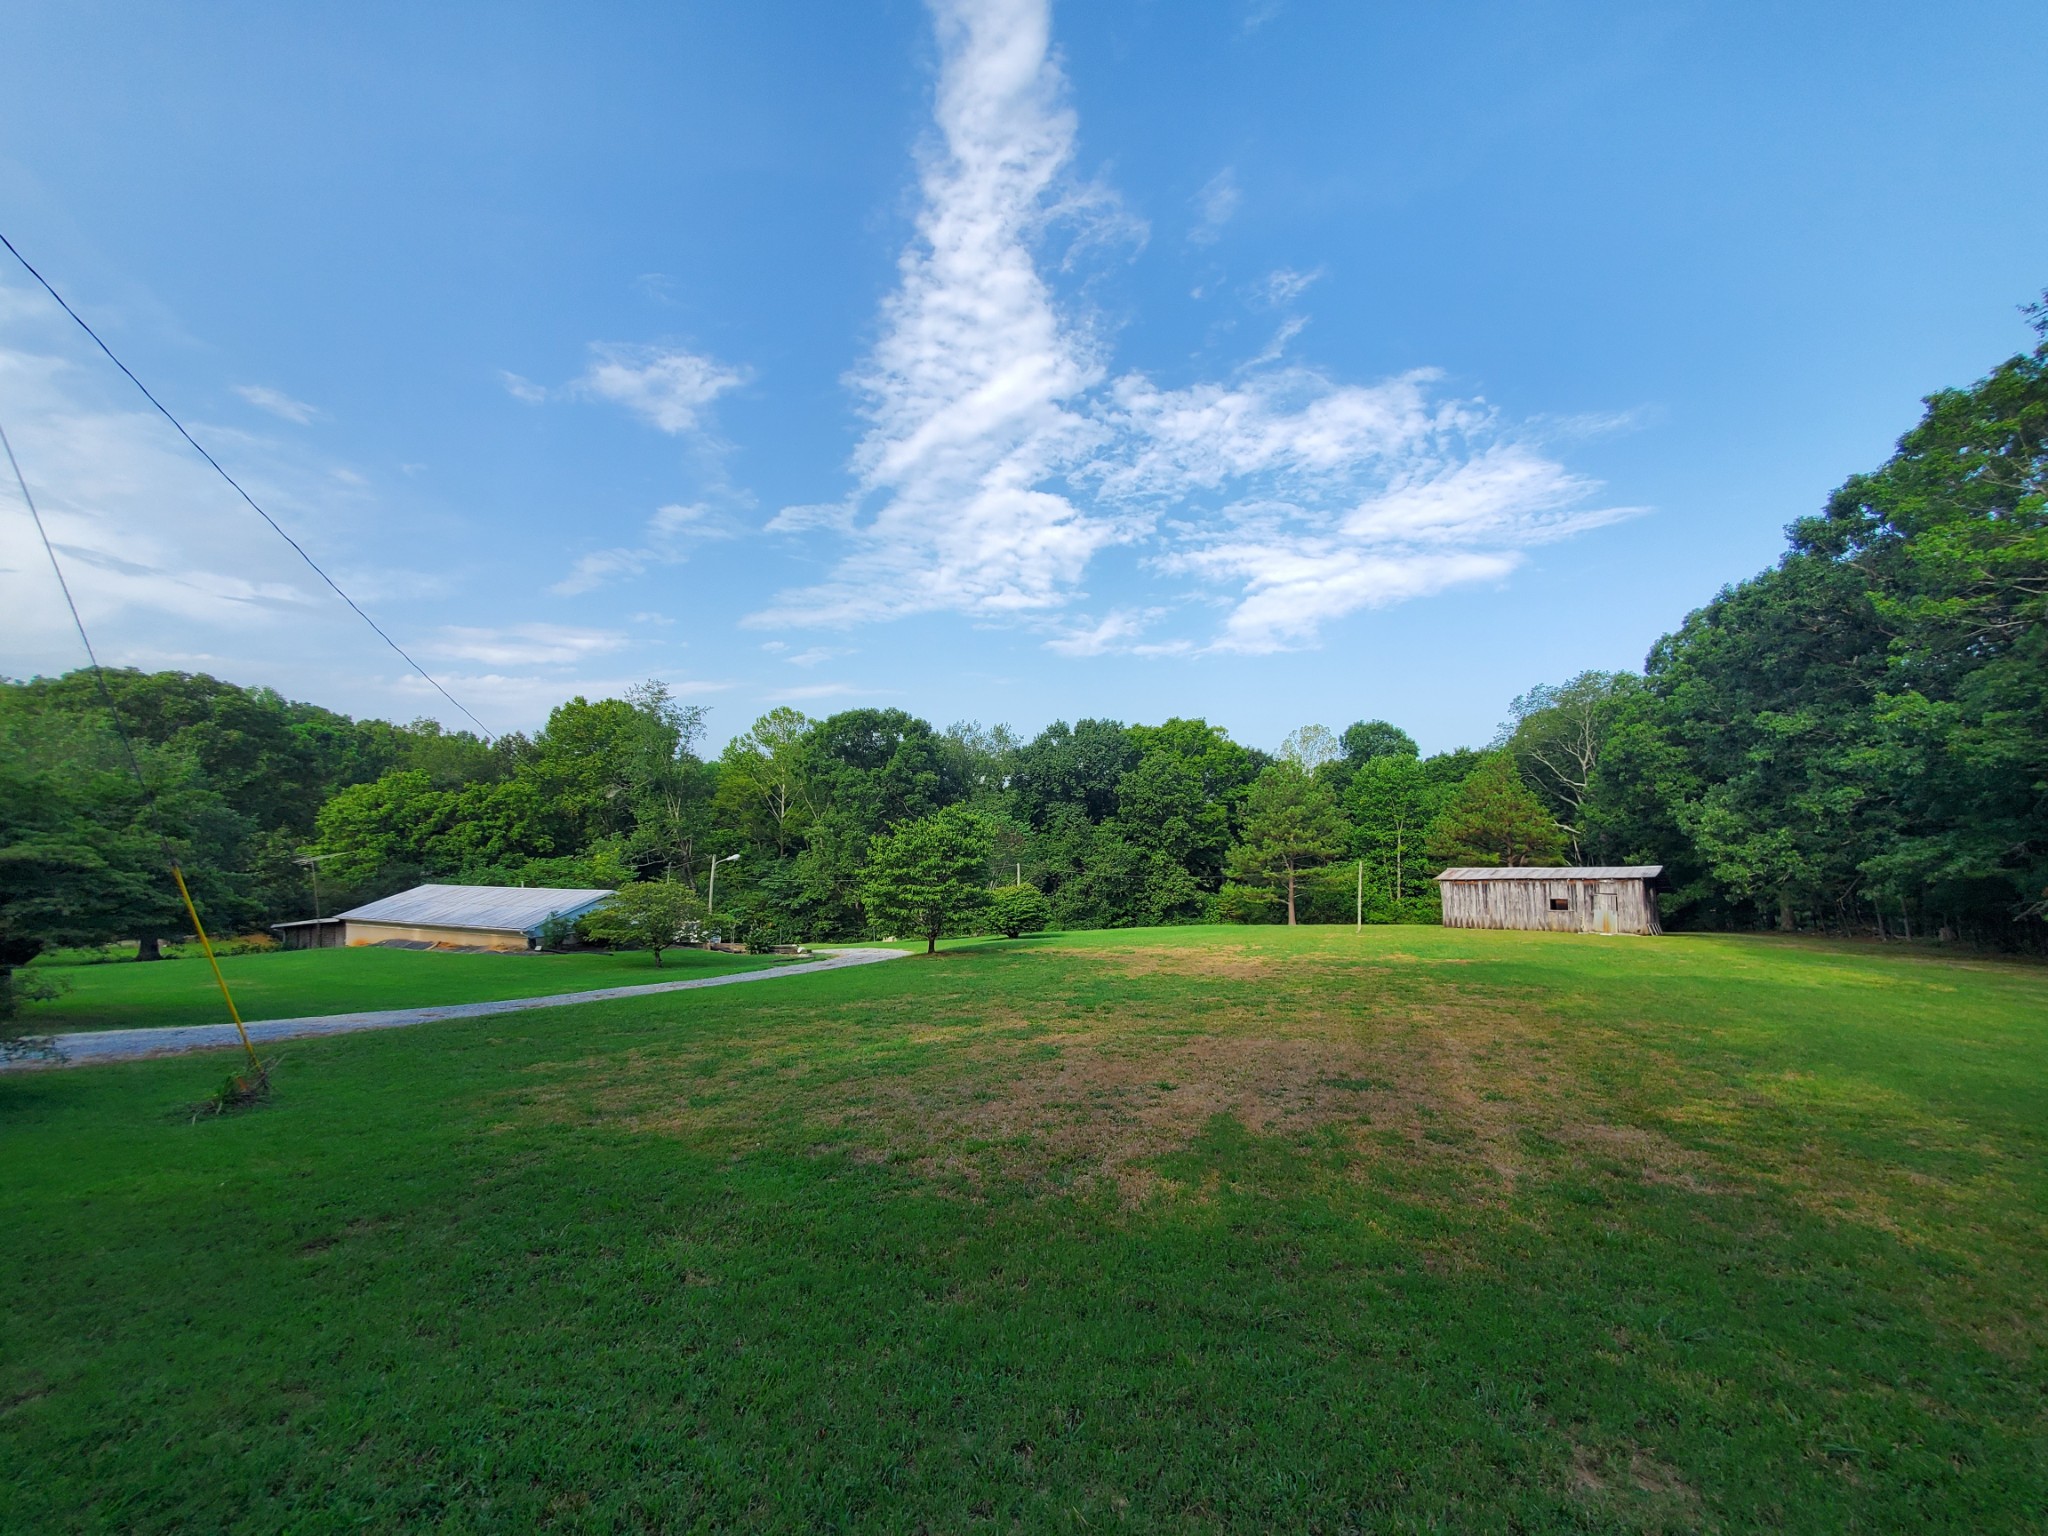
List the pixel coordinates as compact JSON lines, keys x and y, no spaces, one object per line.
{"x":1606,"y":908}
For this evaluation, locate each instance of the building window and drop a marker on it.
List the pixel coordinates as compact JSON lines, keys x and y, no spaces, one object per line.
{"x":1559,"y":904}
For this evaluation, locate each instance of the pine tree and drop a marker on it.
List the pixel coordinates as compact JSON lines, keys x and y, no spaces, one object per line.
{"x":1494,"y":820}
{"x":1291,"y":825}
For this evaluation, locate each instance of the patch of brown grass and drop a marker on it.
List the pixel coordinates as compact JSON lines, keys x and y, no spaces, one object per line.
{"x":1444,"y":1081}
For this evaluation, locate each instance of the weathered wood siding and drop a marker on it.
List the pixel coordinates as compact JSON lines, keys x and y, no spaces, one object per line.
{"x":1591,"y":906}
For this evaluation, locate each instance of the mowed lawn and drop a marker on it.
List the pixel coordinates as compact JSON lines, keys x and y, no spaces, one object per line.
{"x":297,"y":983}
{"x":1178,"y":1230}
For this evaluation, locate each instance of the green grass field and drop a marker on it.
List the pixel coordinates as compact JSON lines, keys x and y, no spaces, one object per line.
{"x":295,"y":983}
{"x":1180,"y":1230}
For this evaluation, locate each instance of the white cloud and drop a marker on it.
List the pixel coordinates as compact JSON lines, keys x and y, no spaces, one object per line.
{"x":811,"y":691}
{"x":161,"y":554}
{"x":277,"y":402}
{"x":1113,"y":632}
{"x":522,"y":645}
{"x":666,"y":387}
{"x":1005,"y":458}
{"x":502,"y":697}
{"x":816,"y":654}
{"x":1283,"y":285}
{"x":522,"y":388}
{"x":973,"y":393}
{"x":666,"y":542}
{"x":1215,"y":206}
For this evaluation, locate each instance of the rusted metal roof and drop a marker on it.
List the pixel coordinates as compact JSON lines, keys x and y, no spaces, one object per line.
{"x":1559,"y":872}
{"x":507,"y":909}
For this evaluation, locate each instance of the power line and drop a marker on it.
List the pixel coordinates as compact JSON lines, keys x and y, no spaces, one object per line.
{"x":99,"y":675}
{"x":156,"y":822}
{"x":275,"y":527}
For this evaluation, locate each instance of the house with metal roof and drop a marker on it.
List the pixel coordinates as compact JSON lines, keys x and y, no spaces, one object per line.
{"x":450,"y":917}
{"x":1615,"y":898}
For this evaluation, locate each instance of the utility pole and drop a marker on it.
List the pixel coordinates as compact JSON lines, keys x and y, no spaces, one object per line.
{"x":1359,"y":927}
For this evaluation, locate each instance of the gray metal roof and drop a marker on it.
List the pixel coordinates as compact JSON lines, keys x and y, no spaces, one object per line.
{"x":1559,"y":872}
{"x":511,"y":909}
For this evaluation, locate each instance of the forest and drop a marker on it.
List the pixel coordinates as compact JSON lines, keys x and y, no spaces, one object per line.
{"x":1854,"y":740}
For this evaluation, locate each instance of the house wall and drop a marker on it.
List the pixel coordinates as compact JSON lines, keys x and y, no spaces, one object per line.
{"x":1526,"y":904}
{"x":486,"y":938}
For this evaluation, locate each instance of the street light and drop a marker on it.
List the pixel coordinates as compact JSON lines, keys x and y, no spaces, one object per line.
{"x":711,"y":896}
{"x":313,"y":861}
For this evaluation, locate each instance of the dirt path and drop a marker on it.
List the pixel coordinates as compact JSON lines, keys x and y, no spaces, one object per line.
{"x":89,"y":1047}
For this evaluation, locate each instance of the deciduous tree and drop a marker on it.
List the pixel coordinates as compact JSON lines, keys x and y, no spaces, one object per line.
{"x":648,"y":914}
{"x":927,"y":876}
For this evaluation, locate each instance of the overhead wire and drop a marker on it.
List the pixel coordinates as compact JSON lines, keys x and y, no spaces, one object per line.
{"x":128,"y":748}
{"x":275,"y":526}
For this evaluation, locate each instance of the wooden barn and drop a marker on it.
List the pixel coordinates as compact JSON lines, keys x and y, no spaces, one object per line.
{"x":1600,"y":899}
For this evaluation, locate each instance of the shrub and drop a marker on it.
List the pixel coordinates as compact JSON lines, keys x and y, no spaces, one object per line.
{"x":1017,"y":910}
{"x":1246,"y":904}
{"x":556,"y":932}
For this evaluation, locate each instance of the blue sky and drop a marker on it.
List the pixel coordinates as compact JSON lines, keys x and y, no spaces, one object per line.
{"x":1274,"y":362}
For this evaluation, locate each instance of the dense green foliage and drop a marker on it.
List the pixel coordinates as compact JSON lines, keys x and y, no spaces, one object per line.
{"x":1209,"y":1230}
{"x":1854,"y":738}
{"x":927,"y":877}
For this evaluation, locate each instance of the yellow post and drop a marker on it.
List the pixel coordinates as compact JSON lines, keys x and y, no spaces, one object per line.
{"x":221,"y":981}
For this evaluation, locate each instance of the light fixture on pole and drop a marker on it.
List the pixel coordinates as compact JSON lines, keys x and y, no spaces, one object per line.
{"x":711,"y":895}
{"x":313,"y":861}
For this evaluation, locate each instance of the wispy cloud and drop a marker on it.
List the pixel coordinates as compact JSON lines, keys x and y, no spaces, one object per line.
{"x":1215,"y":206}
{"x":1331,"y":497}
{"x":503,"y":696}
{"x":812,"y":691}
{"x":163,"y":557}
{"x":1284,"y":285}
{"x":666,"y":541}
{"x":666,"y":387}
{"x":522,"y":388}
{"x":1005,"y":457}
{"x":973,"y":393}
{"x":277,"y":402}
{"x":522,"y":645}
{"x":1115,"y":631}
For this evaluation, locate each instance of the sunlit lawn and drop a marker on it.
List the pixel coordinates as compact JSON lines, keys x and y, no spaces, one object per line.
{"x":293,"y":984}
{"x":1169,"y":1230}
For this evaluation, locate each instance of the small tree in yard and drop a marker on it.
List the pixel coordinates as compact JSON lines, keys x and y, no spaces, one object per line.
{"x":1017,"y":910}
{"x":926,"y":876}
{"x":649,"y":914}
{"x":1291,"y":825}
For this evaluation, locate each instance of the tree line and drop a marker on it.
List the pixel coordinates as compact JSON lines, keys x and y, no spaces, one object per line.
{"x":1854,"y":739}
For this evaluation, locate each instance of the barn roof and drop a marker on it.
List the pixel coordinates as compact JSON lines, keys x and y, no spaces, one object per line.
{"x":1559,"y":872}
{"x":513,"y":909}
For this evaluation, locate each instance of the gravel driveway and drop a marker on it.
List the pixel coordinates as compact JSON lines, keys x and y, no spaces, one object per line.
{"x":84,"y":1049}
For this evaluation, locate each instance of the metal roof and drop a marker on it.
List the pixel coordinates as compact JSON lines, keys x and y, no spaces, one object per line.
{"x":512,"y":909}
{"x":1559,"y":872}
